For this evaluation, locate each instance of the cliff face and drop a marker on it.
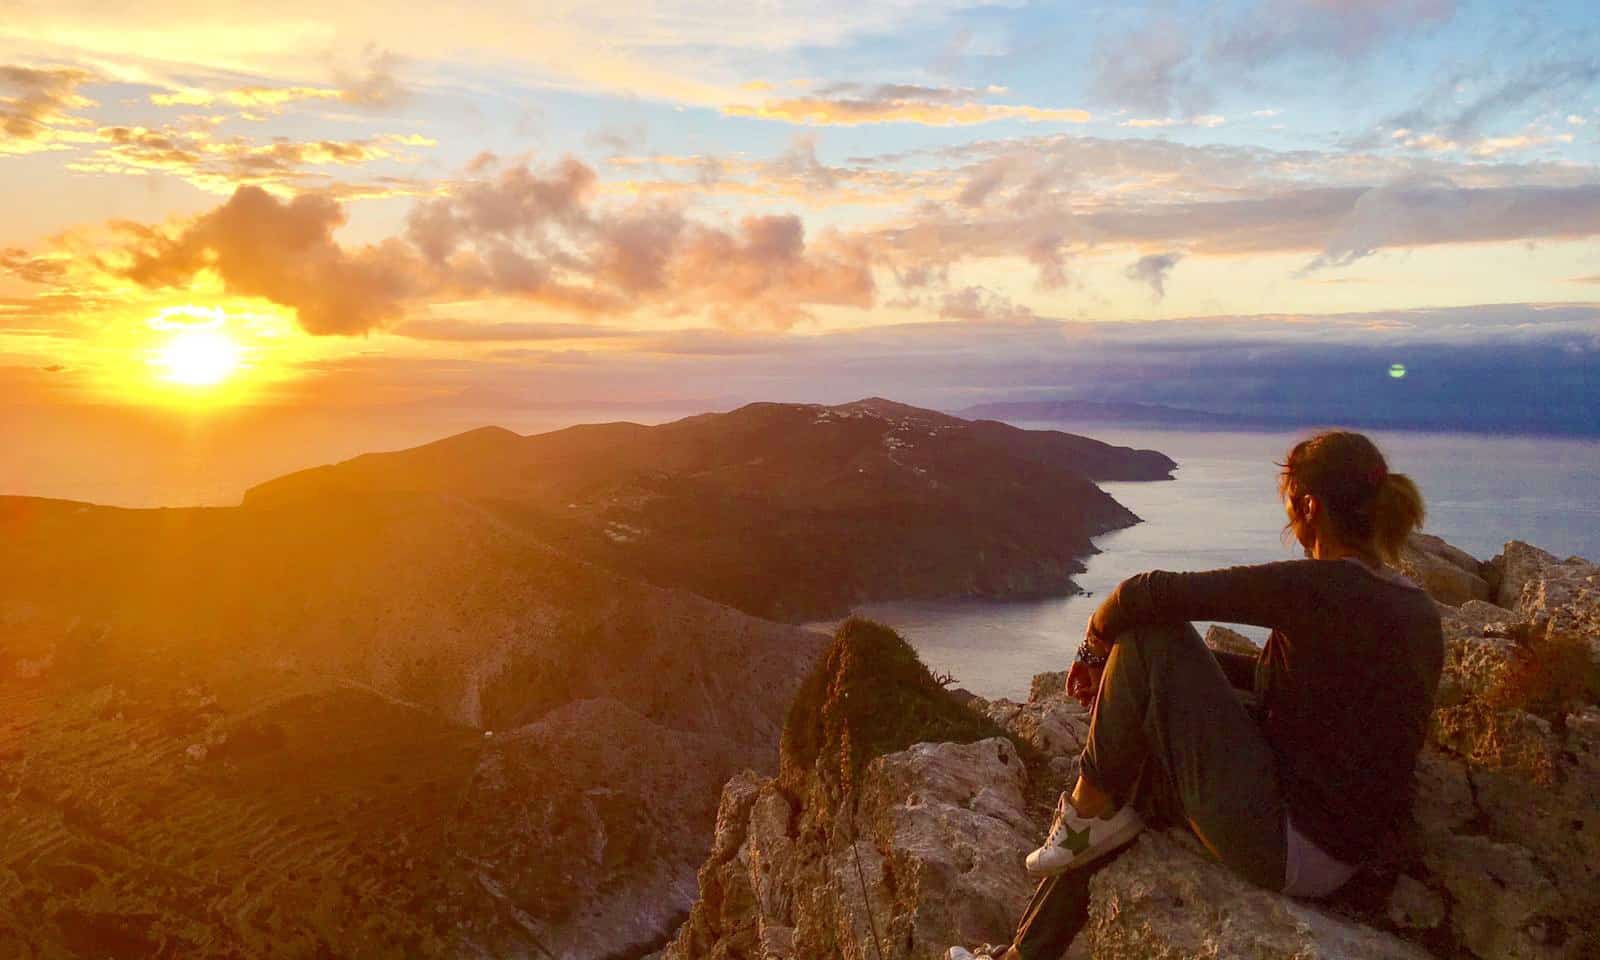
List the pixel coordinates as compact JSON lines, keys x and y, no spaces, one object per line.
{"x":870,"y":838}
{"x":380,"y":726}
{"x":1503,"y":862}
{"x":793,"y":512}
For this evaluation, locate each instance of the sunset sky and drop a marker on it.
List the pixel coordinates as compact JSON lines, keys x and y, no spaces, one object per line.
{"x":304,"y":230}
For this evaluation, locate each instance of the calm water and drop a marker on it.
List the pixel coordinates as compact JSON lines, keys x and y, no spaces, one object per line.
{"x":1223,"y":509}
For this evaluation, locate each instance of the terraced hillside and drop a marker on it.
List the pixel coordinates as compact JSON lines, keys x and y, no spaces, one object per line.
{"x":386,"y":726}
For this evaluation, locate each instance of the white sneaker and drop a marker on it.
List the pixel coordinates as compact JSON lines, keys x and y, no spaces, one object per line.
{"x":1075,"y":841}
{"x":985,"y":952}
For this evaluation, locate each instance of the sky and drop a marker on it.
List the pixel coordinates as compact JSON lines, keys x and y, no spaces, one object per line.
{"x":242,"y":238}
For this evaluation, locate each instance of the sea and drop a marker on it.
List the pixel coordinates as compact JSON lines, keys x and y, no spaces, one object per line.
{"x":1222,"y":509}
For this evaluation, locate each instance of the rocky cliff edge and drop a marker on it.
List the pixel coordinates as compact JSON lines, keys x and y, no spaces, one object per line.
{"x":902,"y":811}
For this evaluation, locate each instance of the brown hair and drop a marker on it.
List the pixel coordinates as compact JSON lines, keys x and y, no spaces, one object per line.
{"x":1366,"y":504}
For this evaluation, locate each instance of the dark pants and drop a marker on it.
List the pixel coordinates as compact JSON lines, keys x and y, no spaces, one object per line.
{"x":1170,"y":736}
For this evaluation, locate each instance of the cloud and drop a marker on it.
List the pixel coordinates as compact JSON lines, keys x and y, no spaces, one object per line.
{"x":1151,"y":68}
{"x":984,"y":306}
{"x":800,"y":163}
{"x":1421,"y":212}
{"x":1153,"y":270}
{"x":764,"y":273}
{"x":35,"y":104}
{"x":667,"y":53}
{"x":375,"y":85}
{"x":1044,"y":198}
{"x":1465,"y":104}
{"x":1539,"y":81}
{"x":540,"y":236}
{"x":454,"y":330}
{"x":1513,"y":366}
{"x":283,"y":251}
{"x":854,"y":105}
{"x":1164,"y":64}
{"x":1204,"y":120}
{"x":220,"y":165}
{"x":247,"y":97}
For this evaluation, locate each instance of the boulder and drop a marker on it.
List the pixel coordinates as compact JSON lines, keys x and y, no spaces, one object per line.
{"x":1044,"y":685}
{"x":1221,"y":638}
{"x":1450,"y":575}
{"x":1164,"y":898}
{"x":1519,"y":563}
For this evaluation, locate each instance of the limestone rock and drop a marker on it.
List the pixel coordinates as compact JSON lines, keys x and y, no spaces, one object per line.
{"x":861,"y":840}
{"x":931,"y":856}
{"x":1450,"y":575}
{"x":1165,"y":899}
{"x":1221,"y":638}
{"x":1056,"y":725}
{"x":1519,"y":563}
{"x":1414,"y":906}
{"x":951,"y":820}
{"x":1051,"y":684}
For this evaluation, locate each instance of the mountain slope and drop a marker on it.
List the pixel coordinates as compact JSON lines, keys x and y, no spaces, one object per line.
{"x":355,"y":727}
{"x":787,"y":511}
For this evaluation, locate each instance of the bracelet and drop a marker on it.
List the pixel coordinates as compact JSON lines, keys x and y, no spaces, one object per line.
{"x":1088,"y":657}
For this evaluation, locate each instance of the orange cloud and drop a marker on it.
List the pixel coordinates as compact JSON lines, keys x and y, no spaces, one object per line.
{"x":36,"y":104}
{"x":520,"y":233}
{"x":222,"y":165}
{"x":374,"y":86}
{"x":852,"y":105}
{"x":283,"y":251}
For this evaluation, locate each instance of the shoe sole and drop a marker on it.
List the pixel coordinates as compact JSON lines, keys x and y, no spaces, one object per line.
{"x":1121,"y":838}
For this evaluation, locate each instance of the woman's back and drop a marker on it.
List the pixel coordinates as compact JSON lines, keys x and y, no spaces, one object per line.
{"x":1347,"y":681}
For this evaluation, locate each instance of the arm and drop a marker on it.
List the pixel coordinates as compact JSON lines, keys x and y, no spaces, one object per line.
{"x":1267,"y":595}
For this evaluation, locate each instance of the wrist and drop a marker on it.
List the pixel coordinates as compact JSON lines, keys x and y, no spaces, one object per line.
{"x":1089,"y":655}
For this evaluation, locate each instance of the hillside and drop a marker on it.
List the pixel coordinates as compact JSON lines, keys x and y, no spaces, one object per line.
{"x":787,"y":511}
{"x":477,"y":698}
{"x":385,"y":726}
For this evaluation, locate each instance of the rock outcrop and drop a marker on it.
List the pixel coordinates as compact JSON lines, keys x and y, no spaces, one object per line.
{"x":1450,"y":575}
{"x":1504,"y":860}
{"x":895,"y":826}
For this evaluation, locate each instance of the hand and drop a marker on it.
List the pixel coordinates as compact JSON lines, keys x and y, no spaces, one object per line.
{"x":1083,"y":683}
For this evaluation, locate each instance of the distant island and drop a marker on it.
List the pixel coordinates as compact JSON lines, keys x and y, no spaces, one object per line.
{"x":792,"y":512}
{"x":1500,"y":419}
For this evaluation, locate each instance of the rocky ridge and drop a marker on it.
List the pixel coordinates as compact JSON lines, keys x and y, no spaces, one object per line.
{"x":923,"y":848}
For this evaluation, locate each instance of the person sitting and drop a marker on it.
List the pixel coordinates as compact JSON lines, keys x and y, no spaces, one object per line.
{"x":1297,"y":796}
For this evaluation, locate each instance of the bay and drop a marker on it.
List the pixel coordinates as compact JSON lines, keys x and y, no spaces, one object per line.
{"x":1222,"y":509}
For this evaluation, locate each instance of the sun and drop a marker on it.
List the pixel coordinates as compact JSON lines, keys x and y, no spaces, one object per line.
{"x":200,"y":357}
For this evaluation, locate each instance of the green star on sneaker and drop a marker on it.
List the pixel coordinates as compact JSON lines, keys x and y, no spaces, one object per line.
{"x":1074,"y":841}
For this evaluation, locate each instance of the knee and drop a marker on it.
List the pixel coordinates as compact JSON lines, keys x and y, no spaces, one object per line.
{"x":1154,"y":635}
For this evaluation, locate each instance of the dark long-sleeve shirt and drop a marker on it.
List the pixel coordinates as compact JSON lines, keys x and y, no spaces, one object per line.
{"x":1347,"y":681}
